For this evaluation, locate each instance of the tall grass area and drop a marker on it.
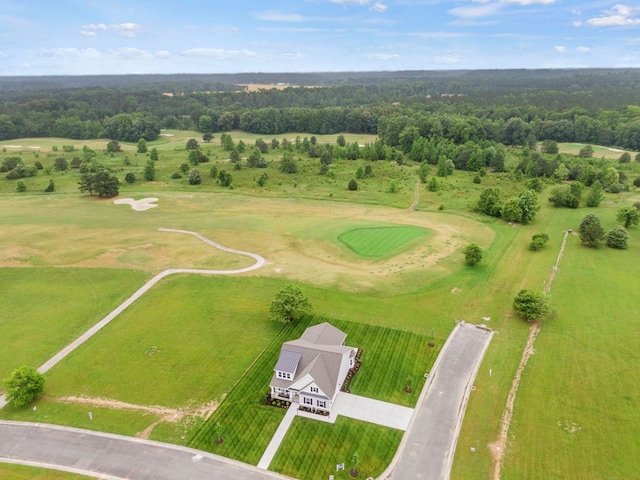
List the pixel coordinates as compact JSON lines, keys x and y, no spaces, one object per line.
{"x":38,"y":319}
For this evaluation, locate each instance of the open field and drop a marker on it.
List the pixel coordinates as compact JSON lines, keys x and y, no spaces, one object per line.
{"x":598,"y":151}
{"x":574,"y":415}
{"x":311,"y":449}
{"x":32,"y":331}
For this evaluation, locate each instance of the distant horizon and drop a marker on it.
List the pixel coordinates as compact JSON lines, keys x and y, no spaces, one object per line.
{"x":70,"y":38}
{"x":320,"y":72}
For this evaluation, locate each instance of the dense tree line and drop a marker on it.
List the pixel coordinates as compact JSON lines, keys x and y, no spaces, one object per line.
{"x":511,"y":107}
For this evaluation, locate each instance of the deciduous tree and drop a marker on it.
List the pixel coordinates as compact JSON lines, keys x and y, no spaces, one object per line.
{"x":531,"y":305}
{"x":23,"y":386}
{"x":628,"y":216}
{"x":288,"y":304}
{"x":472,"y":254}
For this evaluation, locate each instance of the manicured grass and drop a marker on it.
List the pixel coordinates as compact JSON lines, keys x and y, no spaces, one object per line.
{"x":312,"y":449}
{"x":598,"y":151}
{"x":22,"y":472}
{"x":38,"y":319}
{"x":391,"y":360}
{"x":248,"y":424}
{"x":379,"y":242}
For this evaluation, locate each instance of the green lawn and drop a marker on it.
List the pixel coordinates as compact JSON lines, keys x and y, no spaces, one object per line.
{"x":22,"y":472}
{"x":312,"y":449}
{"x":391,"y":359}
{"x":577,"y":405}
{"x":380,"y":242}
{"x":179,"y":345}
{"x":38,"y":319}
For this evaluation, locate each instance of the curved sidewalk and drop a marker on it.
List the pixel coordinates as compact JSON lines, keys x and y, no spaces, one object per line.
{"x":427,"y":449}
{"x":116,"y":457}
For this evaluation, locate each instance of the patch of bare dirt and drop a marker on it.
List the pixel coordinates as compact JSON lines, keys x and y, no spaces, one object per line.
{"x":167,"y":415}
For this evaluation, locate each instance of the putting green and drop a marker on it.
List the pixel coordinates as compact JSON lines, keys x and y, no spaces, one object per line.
{"x":380,"y":241}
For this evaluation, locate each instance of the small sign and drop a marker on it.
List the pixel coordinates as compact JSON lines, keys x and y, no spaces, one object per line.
{"x":339,"y":467}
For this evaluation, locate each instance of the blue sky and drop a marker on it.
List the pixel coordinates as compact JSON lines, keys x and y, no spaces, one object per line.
{"x":78,"y":37}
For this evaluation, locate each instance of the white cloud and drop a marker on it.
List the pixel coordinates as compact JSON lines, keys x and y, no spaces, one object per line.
{"x":530,"y":2}
{"x":3,"y":55}
{"x":582,"y":49}
{"x":560,"y":48}
{"x":447,"y":59}
{"x":291,"y":56}
{"x":476,"y":12}
{"x":218,"y":53}
{"x":68,"y":52}
{"x":380,"y":56}
{"x":378,"y":7}
{"x":350,"y":2}
{"x":163,"y":54}
{"x":130,"y":52}
{"x":125,"y":29}
{"x":618,"y":16}
{"x":279,"y":17}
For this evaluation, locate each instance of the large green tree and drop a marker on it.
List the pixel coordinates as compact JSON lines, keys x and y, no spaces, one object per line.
{"x":531,"y":305}
{"x":628,"y":216}
{"x":289,"y":303}
{"x":591,"y":231}
{"x":23,"y":386}
{"x":472,"y":254}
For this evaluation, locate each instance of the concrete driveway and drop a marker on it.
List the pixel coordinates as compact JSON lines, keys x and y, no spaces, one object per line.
{"x":372,"y":411}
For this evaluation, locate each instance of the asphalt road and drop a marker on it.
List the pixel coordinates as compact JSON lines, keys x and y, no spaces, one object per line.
{"x":428,"y":448}
{"x":117,"y":457}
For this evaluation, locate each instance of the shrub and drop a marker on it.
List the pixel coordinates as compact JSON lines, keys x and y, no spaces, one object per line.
{"x":23,"y":386}
{"x":194,"y":177}
{"x":472,"y":254}
{"x":176,"y":175}
{"x":618,"y":237}
{"x":20,"y":186}
{"x":353,"y":185}
{"x":38,"y":165}
{"x":531,"y":305}
{"x":51,"y":187}
{"x":477,"y":179}
{"x":538,"y":241}
{"x":130,"y":178}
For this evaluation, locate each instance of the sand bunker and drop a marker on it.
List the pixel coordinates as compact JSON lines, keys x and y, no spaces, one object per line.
{"x":137,"y":205}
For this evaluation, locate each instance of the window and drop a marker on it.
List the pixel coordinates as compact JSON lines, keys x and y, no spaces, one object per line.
{"x":307,"y":401}
{"x":288,"y":376}
{"x":314,"y":389}
{"x":322,"y":404}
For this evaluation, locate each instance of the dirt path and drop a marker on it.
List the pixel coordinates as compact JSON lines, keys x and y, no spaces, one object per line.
{"x":416,"y":196}
{"x":169,"y":415}
{"x":499,"y":446}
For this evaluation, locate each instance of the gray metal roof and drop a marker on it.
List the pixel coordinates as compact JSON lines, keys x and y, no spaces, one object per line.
{"x":288,"y":361}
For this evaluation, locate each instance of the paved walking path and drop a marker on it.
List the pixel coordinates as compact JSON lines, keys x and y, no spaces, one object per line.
{"x":277,"y":438}
{"x":426,"y":451}
{"x":115,"y":456}
{"x":260,"y":262}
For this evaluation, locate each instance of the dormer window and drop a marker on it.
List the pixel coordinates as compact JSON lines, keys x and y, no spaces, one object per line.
{"x":314,"y":389}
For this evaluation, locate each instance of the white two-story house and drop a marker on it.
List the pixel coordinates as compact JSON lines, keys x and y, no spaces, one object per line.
{"x":312,"y":369}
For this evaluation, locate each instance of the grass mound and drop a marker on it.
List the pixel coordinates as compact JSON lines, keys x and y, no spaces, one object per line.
{"x":380,"y":241}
